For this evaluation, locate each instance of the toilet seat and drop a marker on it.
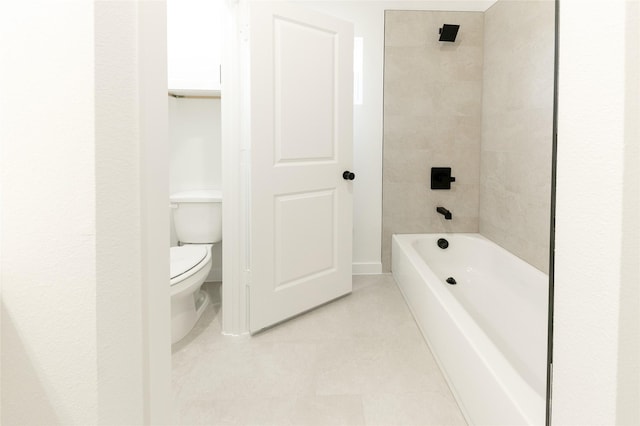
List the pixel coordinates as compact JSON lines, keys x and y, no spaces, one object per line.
{"x":187,"y":263}
{"x":184,"y":258}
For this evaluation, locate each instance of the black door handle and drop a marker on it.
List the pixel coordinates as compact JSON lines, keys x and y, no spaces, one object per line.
{"x":347,"y":175}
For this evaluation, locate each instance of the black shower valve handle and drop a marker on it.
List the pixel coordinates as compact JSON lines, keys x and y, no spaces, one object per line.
{"x":441,"y":178}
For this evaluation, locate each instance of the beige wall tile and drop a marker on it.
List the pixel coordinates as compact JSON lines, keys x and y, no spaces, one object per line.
{"x":432,"y":101}
{"x":482,"y":106}
{"x":515,"y":183}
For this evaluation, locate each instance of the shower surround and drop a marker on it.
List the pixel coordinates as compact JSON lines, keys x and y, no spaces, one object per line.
{"x":482,"y":106}
{"x":517,"y":128}
{"x":432,"y":110}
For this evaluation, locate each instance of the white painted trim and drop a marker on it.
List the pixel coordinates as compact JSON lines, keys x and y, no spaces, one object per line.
{"x":367,"y":268}
{"x":234,"y":166}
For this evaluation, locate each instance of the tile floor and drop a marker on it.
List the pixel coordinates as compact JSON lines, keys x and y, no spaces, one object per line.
{"x":360,"y":360}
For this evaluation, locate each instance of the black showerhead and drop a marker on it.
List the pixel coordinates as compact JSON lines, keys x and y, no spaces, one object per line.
{"x":448,"y":32}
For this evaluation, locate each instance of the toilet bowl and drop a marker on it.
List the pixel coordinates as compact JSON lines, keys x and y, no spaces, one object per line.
{"x":197,"y":218}
{"x":190,"y":265}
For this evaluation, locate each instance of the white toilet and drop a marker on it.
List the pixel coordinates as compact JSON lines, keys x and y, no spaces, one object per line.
{"x":197,"y":216}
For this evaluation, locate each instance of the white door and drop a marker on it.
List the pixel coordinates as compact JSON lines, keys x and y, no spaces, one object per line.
{"x":301,"y":144}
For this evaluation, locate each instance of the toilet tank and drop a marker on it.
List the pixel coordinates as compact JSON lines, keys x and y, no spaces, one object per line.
{"x":197,"y":216}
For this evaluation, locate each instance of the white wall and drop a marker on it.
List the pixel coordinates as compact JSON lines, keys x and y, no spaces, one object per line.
{"x":194,"y":142}
{"x":117,"y":211}
{"x":368,"y":20}
{"x":597,"y":316}
{"x":48,"y":216}
{"x":80,"y":214}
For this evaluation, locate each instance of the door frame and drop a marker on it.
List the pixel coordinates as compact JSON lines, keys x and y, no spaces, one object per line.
{"x":236,"y":169}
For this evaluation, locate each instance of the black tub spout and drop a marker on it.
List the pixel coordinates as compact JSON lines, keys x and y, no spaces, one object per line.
{"x":447,"y":214}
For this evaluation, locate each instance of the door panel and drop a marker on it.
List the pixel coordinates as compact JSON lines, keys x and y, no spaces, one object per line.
{"x":304,"y":251}
{"x":305,"y":91}
{"x":301,"y":142}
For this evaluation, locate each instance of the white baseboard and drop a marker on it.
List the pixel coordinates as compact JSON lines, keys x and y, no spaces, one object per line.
{"x":366,"y":268}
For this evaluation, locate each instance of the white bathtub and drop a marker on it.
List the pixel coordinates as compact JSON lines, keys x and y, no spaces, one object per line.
{"x":488,"y":332}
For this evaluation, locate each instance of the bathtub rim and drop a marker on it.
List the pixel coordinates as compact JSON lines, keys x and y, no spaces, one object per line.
{"x":527,"y":401}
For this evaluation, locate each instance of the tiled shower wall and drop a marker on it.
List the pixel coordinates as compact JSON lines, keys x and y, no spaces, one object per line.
{"x":482,"y":105}
{"x":432,"y":110}
{"x":515,"y":185}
